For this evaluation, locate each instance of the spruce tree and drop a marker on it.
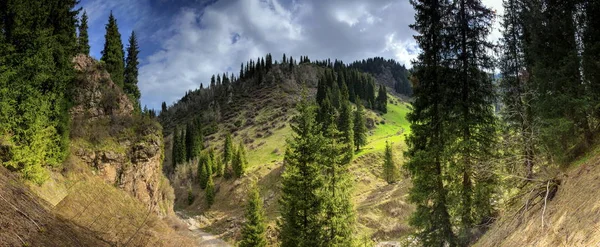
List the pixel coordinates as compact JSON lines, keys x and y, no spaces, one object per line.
{"x":203,"y":170}
{"x":390,"y":171}
{"x":254,"y":229}
{"x":175,"y":148}
{"x":239,"y":161}
{"x":472,"y":115}
{"x":338,"y":224}
{"x":83,"y":43}
{"x":427,"y":140}
{"x":302,"y":181}
{"x":381,"y":101}
{"x":112,"y":54}
{"x":210,"y":191}
{"x":517,"y":93}
{"x":131,"y":70}
{"x":346,"y":127}
{"x":360,"y":127}
{"x":228,"y":155}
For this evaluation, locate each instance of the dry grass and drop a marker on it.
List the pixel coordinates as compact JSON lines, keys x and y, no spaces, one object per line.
{"x":571,"y":218}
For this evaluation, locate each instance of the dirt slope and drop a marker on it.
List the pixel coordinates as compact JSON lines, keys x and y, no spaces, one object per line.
{"x":571,"y":218}
{"x":28,"y":221}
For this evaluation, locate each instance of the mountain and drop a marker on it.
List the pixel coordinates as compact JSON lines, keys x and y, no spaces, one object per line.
{"x":257,"y":110}
{"x":387,"y":72}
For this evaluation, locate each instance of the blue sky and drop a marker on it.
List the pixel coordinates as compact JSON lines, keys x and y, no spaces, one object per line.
{"x":184,"y":42}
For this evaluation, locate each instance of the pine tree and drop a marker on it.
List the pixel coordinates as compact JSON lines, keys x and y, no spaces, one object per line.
{"x":112,"y":54}
{"x":381,"y":101}
{"x":516,"y":91}
{"x":390,"y":171}
{"x":338,"y":224}
{"x":175,"y":148}
{"x":131,"y":70}
{"x":254,"y":229}
{"x":346,"y":127}
{"x":203,"y":170}
{"x":302,"y":181}
{"x":472,"y":115}
{"x":228,"y":155}
{"x":327,"y":114}
{"x":83,"y":39}
{"x":210,"y":191}
{"x":427,"y":140}
{"x":360,"y":128}
{"x":238,"y":161}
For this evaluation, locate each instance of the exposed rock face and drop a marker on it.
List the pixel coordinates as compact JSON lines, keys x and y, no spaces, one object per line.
{"x":126,"y":149}
{"x":96,"y":94}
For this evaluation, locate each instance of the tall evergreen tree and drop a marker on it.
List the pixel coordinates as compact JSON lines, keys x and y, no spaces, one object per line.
{"x":210,"y":191}
{"x":360,"y":127}
{"x":239,"y":161}
{"x":381,"y":101}
{"x":228,"y":155}
{"x":37,"y":45}
{"x":338,"y":224}
{"x":427,"y":140}
{"x":83,"y":43}
{"x":346,"y":127}
{"x":131,"y":70}
{"x":472,"y":114}
{"x":112,"y":54}
{"x":254,"y":229}
{"x":516,"y":92}
{"x":390,"y":171}
{"x":302,"y":180}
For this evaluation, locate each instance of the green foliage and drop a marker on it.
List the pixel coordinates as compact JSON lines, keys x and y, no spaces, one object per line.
{"x":390,"y":170}
{"x":254,"y":229}
{"x":381,"y":101}
{"x":210,"y":191}
{"x":131,"y":70}
{"x":301,"y":201}
{"x":360,"y":127}
{"x":83,"y":39}
{"x":204,"y":169}
{"x":239,"y":162}
{"x":228,"y":155}
{"x":190,"y":196}
{"x":37,"y":42}
{"x":113,"y":54}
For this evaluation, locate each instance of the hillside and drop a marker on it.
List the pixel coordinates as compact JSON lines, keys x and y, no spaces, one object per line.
{"x":567,"y":216}
{"x":259,"y":117}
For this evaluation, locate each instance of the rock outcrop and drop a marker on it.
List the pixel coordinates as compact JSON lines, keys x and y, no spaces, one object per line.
{"x":126,"y":149}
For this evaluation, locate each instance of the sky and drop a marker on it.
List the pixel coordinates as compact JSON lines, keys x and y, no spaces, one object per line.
{"x":184,"y":42}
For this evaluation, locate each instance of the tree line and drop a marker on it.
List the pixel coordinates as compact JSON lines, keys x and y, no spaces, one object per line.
{"x":458,"y":146}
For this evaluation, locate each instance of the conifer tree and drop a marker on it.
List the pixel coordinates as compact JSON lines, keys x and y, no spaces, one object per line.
{"x":228,"y":155}
{"x":83,"y":43}
{"x":112,"y":54}
{"x":390,"y":171}
{"x":381,"y":100}
{"x":338,"y":224}
{"x":239,"y":162}
{"x":210,"y":191}
{"x":427,"y":140}
{"x":203,"y":170}
{"x":254,"y":229}
{"x":517,"y":93}
{"x":326,"y":114}
{"x":346,"y":127}
{"x":175,"y":148}
{"x":360,"y":127}
{"x":302,"y":181}
{"x":131,"y":70}
{"x":472,"y":116}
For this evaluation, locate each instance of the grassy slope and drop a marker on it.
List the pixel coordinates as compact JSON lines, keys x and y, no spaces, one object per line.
{"x":571,"y":218}
{"x":381,"y":208}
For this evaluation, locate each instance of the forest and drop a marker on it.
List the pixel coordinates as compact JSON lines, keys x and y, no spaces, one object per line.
{"x":491,"y":124}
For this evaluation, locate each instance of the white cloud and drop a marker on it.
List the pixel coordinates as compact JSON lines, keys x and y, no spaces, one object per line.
{"x":200,"y":42}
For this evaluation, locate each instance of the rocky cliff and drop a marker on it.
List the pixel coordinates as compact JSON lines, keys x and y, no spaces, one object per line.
{"x":124,"y":148}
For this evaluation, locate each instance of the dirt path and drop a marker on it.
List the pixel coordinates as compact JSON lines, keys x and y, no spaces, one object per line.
{"x":204,"y":238}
